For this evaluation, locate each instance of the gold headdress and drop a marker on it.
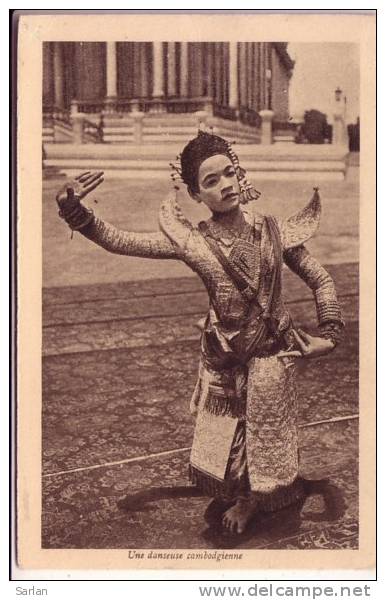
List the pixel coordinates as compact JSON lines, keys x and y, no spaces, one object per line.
{"x":199,"y":149}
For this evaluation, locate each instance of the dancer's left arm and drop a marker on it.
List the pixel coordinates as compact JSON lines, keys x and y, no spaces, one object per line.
{"x":330,"y":321}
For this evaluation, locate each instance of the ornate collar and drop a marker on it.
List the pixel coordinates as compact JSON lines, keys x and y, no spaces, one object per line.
{"x":228,"y":236}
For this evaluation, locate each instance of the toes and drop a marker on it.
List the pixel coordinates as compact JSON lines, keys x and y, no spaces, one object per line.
{"x":228,"y":524}
{"x":233,"y":525}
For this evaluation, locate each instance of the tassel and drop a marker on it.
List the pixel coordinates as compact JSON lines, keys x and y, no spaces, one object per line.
{"x":270,"y":502}
{"x":224,"y":406}
{"x":206,"y":483}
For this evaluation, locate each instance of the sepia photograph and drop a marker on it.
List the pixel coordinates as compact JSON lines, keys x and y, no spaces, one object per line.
{"x":200,"y":216}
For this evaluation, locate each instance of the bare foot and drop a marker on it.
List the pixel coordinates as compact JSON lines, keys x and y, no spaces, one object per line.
{"x":236,"y":518}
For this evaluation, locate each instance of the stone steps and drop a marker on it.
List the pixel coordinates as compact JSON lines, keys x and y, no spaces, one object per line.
{"x":281,"y":161}
{"x":170,"y":128}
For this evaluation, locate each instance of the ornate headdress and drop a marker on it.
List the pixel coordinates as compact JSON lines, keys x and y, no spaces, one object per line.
{"x":199,"y":149}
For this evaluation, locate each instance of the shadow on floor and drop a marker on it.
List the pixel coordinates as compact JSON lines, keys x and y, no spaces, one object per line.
{"x":138,"y":502}
{"x":282,"y":523}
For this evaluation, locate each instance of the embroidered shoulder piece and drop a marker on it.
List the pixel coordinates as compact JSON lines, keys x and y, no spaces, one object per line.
{"x":172,"y":221}
{"x":299,"y":228}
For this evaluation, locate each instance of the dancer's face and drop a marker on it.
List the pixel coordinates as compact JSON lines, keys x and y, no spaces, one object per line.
{"x":218,"y":184}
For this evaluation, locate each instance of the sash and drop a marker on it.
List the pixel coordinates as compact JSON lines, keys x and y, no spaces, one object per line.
{"x":218,"y":417}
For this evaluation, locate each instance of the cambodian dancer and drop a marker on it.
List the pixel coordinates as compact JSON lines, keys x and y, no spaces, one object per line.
{"x":245,"y":446}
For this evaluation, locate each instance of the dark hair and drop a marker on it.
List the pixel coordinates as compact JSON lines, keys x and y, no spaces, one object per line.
{"x":196,"y":151}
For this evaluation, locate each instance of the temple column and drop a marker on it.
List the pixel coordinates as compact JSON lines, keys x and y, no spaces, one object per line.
{"x":171,"y":69}
{"x":111,"y":70}
{"x":266,"y":126}
{"x":144,"y":64}
{"x":196,"y":70}
{"x":158,"y":70}
{"x":251,"y":74}
{"x":48,"y":98}
{"x":268,"y":76}
{"x":233,"y":76}
{"x":111,"y":76}
{"x":255,"y":77}
{"x":184,"y":70}
{"x":262,"y":76}
{"x":208,"y":70}
{"x":243,"y":66}
{"x":224,"y":75}
{"x":58,"y":75}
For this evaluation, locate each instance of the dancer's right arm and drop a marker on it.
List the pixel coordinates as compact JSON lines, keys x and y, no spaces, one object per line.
{"x":82,"y":219}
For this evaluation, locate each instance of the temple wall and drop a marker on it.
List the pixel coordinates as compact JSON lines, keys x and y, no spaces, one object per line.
{"x":280,"y":89}
{"x":110,"y":80}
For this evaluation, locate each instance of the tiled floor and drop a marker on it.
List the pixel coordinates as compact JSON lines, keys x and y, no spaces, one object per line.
{"x":118,"y":370}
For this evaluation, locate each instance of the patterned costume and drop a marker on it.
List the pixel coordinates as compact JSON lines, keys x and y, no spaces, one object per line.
{"x":245,"y":439}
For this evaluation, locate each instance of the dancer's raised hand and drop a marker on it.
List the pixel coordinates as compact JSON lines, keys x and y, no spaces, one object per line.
{"x":75,"y":189}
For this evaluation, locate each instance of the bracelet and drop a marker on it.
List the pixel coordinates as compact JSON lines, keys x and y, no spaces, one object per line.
{"x":77,"y":218}
{"x":331,"y":331}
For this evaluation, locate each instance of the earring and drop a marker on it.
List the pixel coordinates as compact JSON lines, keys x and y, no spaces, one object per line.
{"x":247,"y":192}
{"x":176,"y":172}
